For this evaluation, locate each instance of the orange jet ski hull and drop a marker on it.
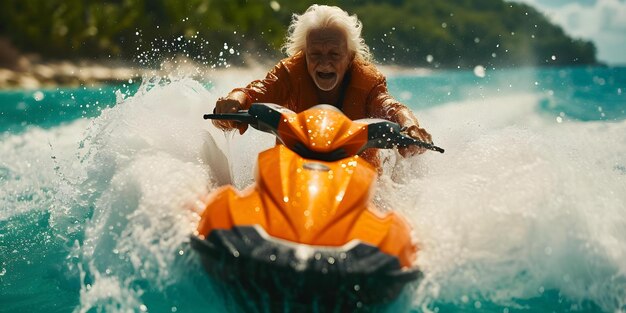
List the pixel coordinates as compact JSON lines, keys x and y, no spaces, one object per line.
{"x":307,"y":202}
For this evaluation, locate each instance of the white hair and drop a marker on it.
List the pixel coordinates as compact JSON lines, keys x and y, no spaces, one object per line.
{"x":322,"y":16}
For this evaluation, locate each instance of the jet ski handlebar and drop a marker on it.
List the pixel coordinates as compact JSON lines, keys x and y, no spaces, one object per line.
{"x":241,"y":116}
{"x":385,"y":135}
{"x":382,"y":134}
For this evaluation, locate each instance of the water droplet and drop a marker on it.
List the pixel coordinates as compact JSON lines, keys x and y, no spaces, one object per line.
{"x":479,"y":71}
{"x":38,"y":96}
{"x":275,"y":6}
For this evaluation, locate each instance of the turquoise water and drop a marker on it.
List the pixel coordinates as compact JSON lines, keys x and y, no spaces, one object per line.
{"x":525,"y":212}
{"x":48,"y":108}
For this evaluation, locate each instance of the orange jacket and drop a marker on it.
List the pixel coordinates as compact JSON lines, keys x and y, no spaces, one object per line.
{"x":364,"y":93}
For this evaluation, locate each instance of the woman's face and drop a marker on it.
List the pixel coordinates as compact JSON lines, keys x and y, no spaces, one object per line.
{"x":327,"y":57}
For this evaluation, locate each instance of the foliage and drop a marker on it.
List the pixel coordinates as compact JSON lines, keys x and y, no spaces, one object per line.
{"x":446,"y":33}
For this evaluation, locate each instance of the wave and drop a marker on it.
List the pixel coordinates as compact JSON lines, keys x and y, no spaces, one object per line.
{"x":522,"y":206}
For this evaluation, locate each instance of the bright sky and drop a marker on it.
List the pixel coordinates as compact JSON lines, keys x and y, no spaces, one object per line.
{"x":601,"y":21}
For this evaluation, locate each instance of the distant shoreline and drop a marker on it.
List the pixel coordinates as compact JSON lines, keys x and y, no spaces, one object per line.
{"x":31,"y":73}
{"x":65,"y":73}
{"x":70,"y":74}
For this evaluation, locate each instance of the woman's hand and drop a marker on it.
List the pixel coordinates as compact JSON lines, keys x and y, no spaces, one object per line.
{"x":230,"y":104}
{"x":418,"y":133}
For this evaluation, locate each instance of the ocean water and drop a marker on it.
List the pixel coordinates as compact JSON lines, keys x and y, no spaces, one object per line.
{"x":525,"y":212}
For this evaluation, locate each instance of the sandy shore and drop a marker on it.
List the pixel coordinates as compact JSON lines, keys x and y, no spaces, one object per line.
{"x":73,"y":73}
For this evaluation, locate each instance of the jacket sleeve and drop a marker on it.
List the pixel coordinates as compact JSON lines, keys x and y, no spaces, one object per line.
{"x":382,"y":105}
{"x":273,"y":88}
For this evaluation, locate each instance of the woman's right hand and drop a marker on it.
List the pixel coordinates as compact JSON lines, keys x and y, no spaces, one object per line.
{"x":229,"y":104}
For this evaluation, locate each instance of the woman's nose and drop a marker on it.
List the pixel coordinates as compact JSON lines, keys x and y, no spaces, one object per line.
{"x":325,"y":61}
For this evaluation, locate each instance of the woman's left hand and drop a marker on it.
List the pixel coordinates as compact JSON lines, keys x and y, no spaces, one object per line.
{"x":418,"y":133}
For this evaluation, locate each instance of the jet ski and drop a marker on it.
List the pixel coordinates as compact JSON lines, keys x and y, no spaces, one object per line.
{"x":305,"y":234}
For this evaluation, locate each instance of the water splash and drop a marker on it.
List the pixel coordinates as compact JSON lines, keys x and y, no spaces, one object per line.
{"x":520,"y":213}
{"x":518,"y":208}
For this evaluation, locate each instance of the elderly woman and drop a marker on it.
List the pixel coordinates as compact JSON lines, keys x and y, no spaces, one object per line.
{"x":328,"y":62}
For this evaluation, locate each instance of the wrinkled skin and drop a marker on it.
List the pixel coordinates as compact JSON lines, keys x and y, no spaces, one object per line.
{"x":327,"y":58}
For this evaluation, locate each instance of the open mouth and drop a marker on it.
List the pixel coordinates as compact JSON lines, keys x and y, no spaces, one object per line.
{"x":323,"y":75}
